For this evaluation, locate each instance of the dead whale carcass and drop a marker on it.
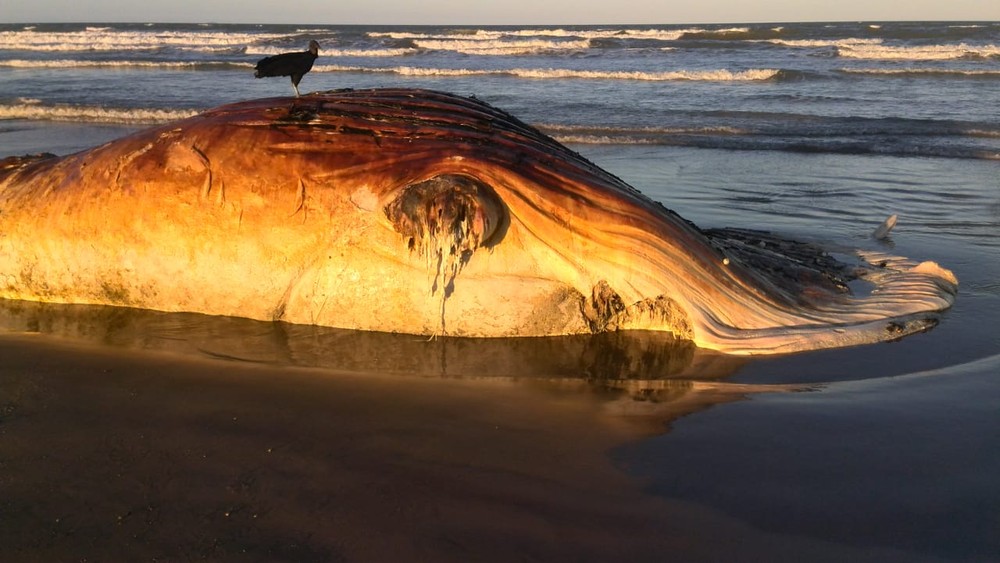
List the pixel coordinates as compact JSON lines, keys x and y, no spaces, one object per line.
{"x":419,"y":212}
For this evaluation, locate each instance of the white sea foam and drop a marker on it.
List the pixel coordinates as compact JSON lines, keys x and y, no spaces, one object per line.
{"x":642,"y":136}
{"x":32,"y":110}
{"x":107,"y":39}
{"x":615,"y":132}
{"x":984,"y":73}
{"x":485,"y":35}
{"x":604,"y":140}
{"x":498,"y":47}
{"x":368,"y":52}
{"x":710,"y":75}
{"x":268,"y":50}
{"x":721,"y":75}
{"x":820,"y":43}
{"x":918,"y":53}
{"x":728,"y":30}
{"x":73,"y":63}
{"x":494,"y":35}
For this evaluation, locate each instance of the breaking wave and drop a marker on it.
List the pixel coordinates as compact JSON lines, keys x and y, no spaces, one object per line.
{"x":875,"y":137}
{"x":918,"y":52}
{"x":925,"y":72}
{"x":268,"y":50}
{"x":551,"y":73}
{"x":484,"y":35}
{"x":519,"y":47}
{"x":31,"y":109}
{"x":108,"y":39}
{"x":820,"y":43}
{"x":76,"y":63}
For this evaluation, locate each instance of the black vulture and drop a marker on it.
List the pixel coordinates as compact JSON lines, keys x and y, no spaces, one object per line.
{"x":295,"y":65}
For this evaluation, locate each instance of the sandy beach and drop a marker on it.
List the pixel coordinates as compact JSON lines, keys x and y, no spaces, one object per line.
{"x":111,"y":454}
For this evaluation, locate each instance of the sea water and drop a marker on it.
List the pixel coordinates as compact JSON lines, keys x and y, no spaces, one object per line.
{"x":818,"y":131}
{"x":904,"y":89}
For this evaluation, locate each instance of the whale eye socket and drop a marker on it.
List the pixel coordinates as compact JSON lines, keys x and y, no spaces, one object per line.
{"x":451,"y":207}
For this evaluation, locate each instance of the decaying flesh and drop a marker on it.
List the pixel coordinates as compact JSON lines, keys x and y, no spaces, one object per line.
{"x":425,"y":213}
{"x":445,"y":219}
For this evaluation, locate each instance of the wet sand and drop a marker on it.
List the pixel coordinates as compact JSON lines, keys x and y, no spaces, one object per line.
{"x":111,"y":454}
{"x":907,"y":462}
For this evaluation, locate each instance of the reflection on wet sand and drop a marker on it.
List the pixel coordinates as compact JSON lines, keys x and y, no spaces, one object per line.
{"x":120,"y":451}
{"x":634,"y":355}
{"x":645,"y":376}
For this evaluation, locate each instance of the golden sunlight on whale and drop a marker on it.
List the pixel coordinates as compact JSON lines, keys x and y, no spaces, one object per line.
{"x":426,"y":213}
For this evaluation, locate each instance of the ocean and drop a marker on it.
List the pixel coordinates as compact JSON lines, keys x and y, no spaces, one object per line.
{"x":816,"y":88}
{"x":811,"y":130}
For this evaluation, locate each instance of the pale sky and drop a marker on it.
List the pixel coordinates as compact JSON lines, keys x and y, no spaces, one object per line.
{"x":497,"y":12}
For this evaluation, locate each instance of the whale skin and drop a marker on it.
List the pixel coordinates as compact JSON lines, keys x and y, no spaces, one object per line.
{"x":422,"y":212}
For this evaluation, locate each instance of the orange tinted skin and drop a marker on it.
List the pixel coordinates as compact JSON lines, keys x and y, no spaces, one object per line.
{"x":276,"y":209}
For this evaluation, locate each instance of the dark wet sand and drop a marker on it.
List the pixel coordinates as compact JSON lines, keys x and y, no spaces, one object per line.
{"x":113,"y":455}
